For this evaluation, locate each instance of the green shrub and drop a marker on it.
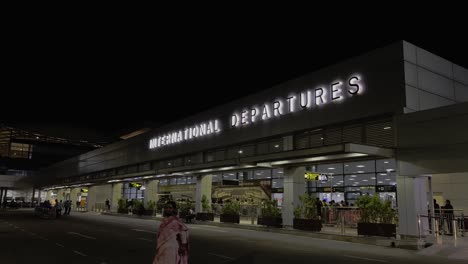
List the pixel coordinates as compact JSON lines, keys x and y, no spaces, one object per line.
{"x":122,"y":204}
{"x":307,"y":209}
{"x":270,"y":209}
{"x":205,"y":204}
{"x":232,"y":208}
{"x":374,"y":210}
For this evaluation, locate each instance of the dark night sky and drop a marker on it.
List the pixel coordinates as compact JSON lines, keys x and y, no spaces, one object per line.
{"x":110,"y":84}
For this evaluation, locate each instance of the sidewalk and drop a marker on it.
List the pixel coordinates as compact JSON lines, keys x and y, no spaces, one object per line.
{"x":331,"y":233}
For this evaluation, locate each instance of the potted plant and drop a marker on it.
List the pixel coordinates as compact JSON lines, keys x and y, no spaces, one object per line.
{"x":271,"y":214}
{"x":184,"y":207}
{"x":138,"y":207}
{"x":122,"y":209}
{"x":230,"y":212}
{"x":377,"y":217}
{"x":305,"y":215}
{"x":206,"y":215}
{"x":150,"y":208}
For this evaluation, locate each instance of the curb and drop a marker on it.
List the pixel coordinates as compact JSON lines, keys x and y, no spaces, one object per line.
{"x":376,"y":241}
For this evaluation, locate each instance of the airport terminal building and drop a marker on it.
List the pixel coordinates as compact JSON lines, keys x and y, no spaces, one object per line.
{"x":392,"y":122}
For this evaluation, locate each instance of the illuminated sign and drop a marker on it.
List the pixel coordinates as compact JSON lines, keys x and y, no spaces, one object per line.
{"x":335,"y":91}
{"x":84,"y":190}
{"x":200,"y":130}
{"x":135,"y":185}
{"x":308,"y":99}
{"x":313,"y":176}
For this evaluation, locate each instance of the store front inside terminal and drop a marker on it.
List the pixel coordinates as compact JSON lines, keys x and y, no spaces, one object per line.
{"x":343,"y":184}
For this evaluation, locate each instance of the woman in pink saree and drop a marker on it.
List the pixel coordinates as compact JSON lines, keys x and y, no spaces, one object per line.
{"x":172,"y":246}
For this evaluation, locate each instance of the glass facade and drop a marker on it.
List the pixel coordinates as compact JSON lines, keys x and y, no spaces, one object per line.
{"x":349,"y":180}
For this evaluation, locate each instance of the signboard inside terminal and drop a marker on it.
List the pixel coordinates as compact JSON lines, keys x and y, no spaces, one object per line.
{"x":314,"y":176}
{"x":335,"y":91}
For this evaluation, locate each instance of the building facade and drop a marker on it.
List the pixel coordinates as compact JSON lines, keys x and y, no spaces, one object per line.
{"x":391,"y":122}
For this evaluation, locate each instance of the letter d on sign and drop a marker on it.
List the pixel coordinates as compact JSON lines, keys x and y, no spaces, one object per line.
{"x":234,"y":120}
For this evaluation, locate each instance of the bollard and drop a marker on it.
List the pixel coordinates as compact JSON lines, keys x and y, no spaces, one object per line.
{"x":419,"y":226}
{"x":343,"y":231}
{"x":454,"y":226}
{"x":436,"y":227}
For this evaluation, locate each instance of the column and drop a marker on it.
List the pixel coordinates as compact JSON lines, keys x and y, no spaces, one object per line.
{"x":204,"y":184}
{"x":32,"y":198}
{"x":49,"y":196}
{"x":116,"y":195}
{"x":151,"y":191}
{"x":74,"y":193}
{"x":1,"y":196}
{"x":412,"y":201}
{"x":294,"y":186}
{"x":5,"y":190}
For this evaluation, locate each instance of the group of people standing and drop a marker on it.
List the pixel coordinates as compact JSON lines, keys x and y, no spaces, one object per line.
{"x":444,"y":214}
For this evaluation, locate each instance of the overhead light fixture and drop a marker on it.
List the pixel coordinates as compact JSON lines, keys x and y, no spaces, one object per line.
{"x":331,"y":168}
{"x":360,"y":171}
{"x":240,"y":151}
{"x":276,"y":146}
{"x":386,"y":162}
{"x":387,"y":127}
{"x":360,"y":166}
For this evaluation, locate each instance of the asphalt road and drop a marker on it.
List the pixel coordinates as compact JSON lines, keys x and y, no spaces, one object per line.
{"x":95,"y":238}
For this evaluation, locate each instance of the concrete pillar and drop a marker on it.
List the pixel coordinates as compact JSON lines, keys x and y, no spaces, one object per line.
{"x":5,"y":190}
{"x":74,"y":193}
{"x":204,"y":184}
{"x":49,"y":195}
{"x":1,"y":195}
{"x":412,"y":201}
{"x":294,"y":186}
{"x":61,"y":195}
{"x":116,"y":195}
{"x":151,"y":191}
{"x":32,"y":198}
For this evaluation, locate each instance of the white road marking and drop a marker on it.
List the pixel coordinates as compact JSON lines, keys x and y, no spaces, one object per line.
{"x":220,"y":256}
{"x":144,"y":239}
{"x":78,"y":234}
{"x":60,"y":245}
{"x":221,"y":231}
{"x":369,"y":259}
{"x":43,"y":238}
{"x":140,"y":230}
{"x":79,"y":253}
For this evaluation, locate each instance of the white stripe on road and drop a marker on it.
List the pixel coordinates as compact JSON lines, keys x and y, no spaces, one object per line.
{"x":140,"y":230}
{"x":60,"y":245}
{"x":220,"y":256}
{"x":221,"y":231}
{"x":79,"y":253}
{"x":369,"y":259}
{"x":43,"y":238}
{"x":144,"y":239}
{"x":78,"y":234}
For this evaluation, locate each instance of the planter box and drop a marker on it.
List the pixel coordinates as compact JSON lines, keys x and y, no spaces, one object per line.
{"x":149,"y":212}
{"x":270,"y":221}
{"x":372,"y":229}
{"x":227,"y":218}
{"x":205,"y":216}
{"x":307,"y":224}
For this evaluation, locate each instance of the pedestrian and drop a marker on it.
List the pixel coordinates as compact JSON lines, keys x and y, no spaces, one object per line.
{"x":107,"y":204}
{"x":448,"y":209}
{"x":173,"y":236}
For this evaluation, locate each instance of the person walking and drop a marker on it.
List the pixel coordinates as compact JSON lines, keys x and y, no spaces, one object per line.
{"x":172,"y":240}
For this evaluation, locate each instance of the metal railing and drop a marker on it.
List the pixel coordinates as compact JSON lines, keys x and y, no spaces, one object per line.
{"x":446,"y":223}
